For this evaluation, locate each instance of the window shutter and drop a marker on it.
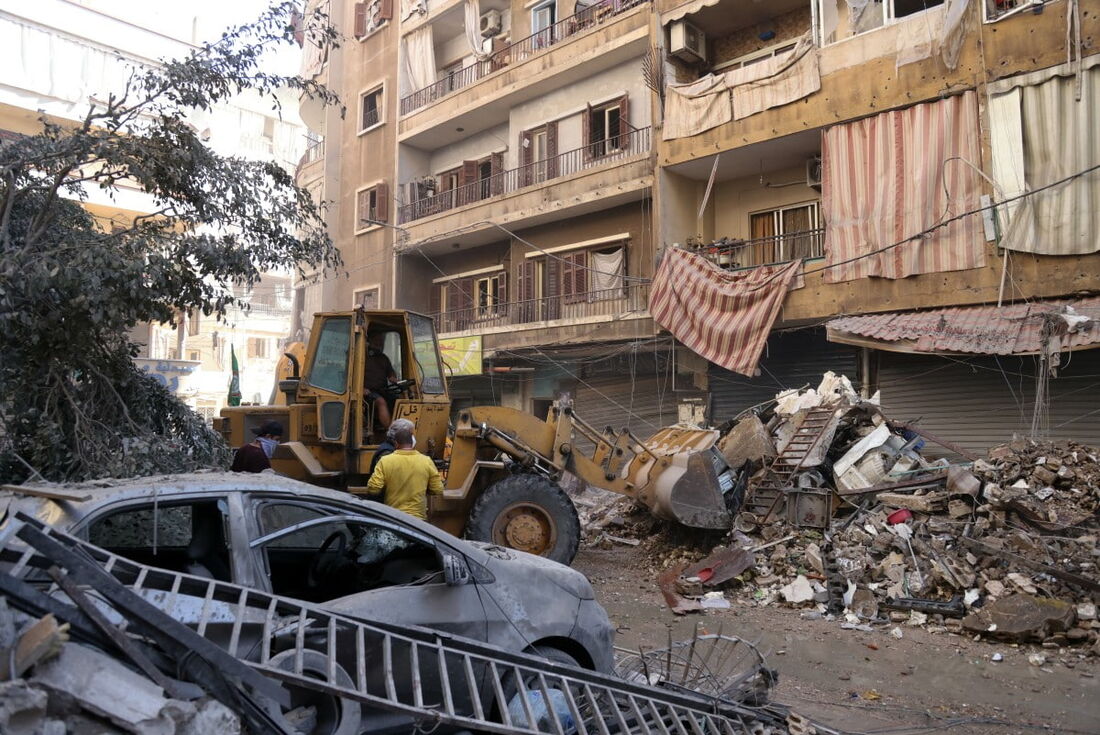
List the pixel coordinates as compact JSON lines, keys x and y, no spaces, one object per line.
{"x":499,"y":59}
{"x":382,"y":202}
{"x":385,"y":10}
{"x":362,"y":209}
{"x":297,"y":22}
{"x":467,"y":183}
{"x":502,"y":288}
{"x":434,"y":298}
{"x":496,"y":166}
{"x":527,"y":157}
{"x":624,"y":121}
{"x":360,"y":24}
{"x":551,"y":150}
{"x":527,"y":308}
{"x":586,"y":132}
{"x":552,"y":288}
{"x":574,"y":277}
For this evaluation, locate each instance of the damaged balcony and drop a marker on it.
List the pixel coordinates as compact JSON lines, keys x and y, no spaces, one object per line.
{"x":622,"y":302}
{"x":594,"y":176}
{"x":480,"y":94}
{"x":734,"y":254}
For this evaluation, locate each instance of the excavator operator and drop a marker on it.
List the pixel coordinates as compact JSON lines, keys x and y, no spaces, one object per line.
{"x":378,"y":373}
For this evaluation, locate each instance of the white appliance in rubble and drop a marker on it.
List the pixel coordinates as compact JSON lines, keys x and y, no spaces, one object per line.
{"x":686,"y":42}
{"x":491,"y":23}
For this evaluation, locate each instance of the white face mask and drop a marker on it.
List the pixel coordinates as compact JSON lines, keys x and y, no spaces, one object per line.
{"x":414,"y":443}
{"x":268,"y":445}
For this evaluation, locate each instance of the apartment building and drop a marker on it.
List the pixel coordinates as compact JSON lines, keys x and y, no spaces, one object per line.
{"x":517,"y":169}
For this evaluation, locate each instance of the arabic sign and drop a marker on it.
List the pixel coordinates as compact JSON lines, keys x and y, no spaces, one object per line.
{"x":172,"y":374}
{"x":461,"y":355}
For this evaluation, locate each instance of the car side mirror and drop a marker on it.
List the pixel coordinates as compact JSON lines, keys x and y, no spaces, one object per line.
{"x":455,"y":571}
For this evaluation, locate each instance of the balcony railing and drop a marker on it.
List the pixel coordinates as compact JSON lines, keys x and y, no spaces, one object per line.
{"x":315,"y":151}
{"x":630,"y":298}
{"x":734,"y":254}
{"x":594,"y":155}
{"x":514,"y":53}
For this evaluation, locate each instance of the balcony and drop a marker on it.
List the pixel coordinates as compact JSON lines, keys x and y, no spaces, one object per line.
{"x":531,"y":313}
{"x":518,"y":52}
{"x":616,"y":149}
{"x":738,"y":254}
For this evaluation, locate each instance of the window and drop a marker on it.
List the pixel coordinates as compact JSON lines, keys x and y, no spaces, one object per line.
{"x":366,"y":299}
{"x":195,"y":356}
{"x":277,"y":516}
{"x":488,"y":293}
{"x":784,"y":234}
{"x":370,"y":109}
{"x":259,"y":347}
{"x":543,"y":18}
{"x":372,"y":206}
{"x":329,"y":370}
{"x":855,"y":18}
{"x":605,"y":128}
{"x":997,"y":9}
{"x":426,"y":353}
{"x":370,"y":16}
{"x":187,"y":538}
{"x":358,"y":556}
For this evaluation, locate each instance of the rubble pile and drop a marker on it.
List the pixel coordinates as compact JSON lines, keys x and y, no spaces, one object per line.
{"x":846,"y":513}
{"x":51,"y":685}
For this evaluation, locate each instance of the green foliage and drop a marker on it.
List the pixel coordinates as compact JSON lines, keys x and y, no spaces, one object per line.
{"x":72,"y":404}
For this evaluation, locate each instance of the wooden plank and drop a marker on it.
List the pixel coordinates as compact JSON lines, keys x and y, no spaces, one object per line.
{"x":52,"y":493}
{"x":41,"y":641}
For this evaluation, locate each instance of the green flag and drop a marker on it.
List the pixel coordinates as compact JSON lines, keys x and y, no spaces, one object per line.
{"x":235,"y":381}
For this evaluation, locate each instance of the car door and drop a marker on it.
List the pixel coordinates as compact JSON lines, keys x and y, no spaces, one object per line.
{"x":371,"y":568}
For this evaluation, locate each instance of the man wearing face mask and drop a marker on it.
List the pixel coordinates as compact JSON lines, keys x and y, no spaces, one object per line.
{"x":406,"y":477}
{"x":256,"y":455}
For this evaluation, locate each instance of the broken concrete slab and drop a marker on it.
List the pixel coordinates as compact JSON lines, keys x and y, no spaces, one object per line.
{"x":22,"y":708}
{"x":103,"y":686}
{"x":798,"y":591}
{"x":1021,"y":616}
{"x":748,"y":441}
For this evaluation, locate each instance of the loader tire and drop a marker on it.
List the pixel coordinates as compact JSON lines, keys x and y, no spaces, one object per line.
{"x":529,"y":513}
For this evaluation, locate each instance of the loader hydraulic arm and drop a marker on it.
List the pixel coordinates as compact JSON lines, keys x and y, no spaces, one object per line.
{"x":675,"y":472}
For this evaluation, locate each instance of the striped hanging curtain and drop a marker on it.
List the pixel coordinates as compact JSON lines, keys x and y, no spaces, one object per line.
{"x":897,"y":174}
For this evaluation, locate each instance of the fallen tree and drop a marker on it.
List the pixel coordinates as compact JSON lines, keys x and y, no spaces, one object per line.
{"x":72,"y":286}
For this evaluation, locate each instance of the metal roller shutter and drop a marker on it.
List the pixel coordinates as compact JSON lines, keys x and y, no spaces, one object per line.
{"x":979,"y":402}
{"x":791,"y":360}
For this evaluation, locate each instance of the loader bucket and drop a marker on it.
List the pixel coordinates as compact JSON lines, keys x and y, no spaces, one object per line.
{"x":683,"y":478}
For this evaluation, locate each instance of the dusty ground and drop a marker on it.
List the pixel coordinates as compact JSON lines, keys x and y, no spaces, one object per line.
{"x":870,"y":682}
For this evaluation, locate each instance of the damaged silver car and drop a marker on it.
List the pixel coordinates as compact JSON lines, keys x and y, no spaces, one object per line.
{"x":355,"y":557}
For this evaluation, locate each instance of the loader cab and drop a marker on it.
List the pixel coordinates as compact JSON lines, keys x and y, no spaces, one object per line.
{"x":342,"y":423}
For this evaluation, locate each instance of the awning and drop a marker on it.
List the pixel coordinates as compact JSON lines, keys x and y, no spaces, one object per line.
{"x":687,"y":9}
{"x":1012,"y":329}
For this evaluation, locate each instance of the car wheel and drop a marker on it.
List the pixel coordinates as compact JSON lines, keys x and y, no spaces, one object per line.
{"x":529,"y":513}
{"x":333,"y":715}
{"x":558,"y":702}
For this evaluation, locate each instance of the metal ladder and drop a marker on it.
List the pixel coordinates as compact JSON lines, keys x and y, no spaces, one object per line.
{"x":431,"y":677}
{"x":766,"y":495}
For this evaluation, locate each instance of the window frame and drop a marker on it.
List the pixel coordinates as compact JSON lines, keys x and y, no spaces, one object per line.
{"x":551,"y":8}
{"x":376,"y":287}
{"x":889,"y":18}
{"x":777,"y":222}
{"x":379,"y":90}
{"x":372,"y":188}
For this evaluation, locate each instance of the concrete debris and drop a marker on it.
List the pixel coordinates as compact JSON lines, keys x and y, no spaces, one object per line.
{"x":798,"y":591}
{"x":1021,"y":617}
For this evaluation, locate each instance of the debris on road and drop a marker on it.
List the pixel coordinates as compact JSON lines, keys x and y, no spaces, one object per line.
{"x":849,"y":512}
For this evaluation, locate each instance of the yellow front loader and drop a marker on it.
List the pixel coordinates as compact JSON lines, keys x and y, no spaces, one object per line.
{"x":501,"y":465}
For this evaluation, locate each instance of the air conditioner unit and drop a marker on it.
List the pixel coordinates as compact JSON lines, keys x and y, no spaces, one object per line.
{"x":686,"y":42}
{"x":491,"y":23}
{"x":813,"y":172}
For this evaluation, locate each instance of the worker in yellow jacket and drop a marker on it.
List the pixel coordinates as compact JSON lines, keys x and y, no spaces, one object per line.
{"x":405,"y":476}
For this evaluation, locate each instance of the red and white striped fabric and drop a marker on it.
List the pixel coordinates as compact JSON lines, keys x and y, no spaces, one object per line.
{"x":893,"y":175}
{"x":724,"y":316}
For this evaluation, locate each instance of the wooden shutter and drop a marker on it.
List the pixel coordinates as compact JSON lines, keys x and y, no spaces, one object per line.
{"x":297,"y":22}
{"x":502,"y":291}
{"x":527,"y":309}
{"x":382,"y":202}
{"x":552,"y":150}
{"x":360,"y":24}
{"x":496,"y":166}
{"x":499,"y":58}
{"x":624,"y":121}
{"x":552,"y":288}
{"x":434,"y":307}
{"x":586,"y":132}
{"x":362,"y":209}
{"x":467,"y":183}
{"x":385,"y":11}
{"x":574,"y":277}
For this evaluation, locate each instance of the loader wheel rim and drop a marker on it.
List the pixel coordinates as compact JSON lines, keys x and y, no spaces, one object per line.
{"x":527,"y":527}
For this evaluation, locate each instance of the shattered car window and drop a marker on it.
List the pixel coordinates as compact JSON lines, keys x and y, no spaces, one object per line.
{"x":134,"y":529}
{"x":277,"y":516}
{"x":376,"y":544}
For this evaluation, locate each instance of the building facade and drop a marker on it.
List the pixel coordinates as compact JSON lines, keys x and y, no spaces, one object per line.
{"x":517,"y":169}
